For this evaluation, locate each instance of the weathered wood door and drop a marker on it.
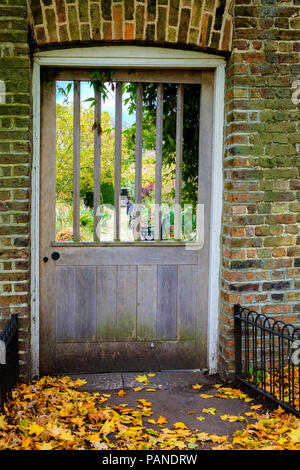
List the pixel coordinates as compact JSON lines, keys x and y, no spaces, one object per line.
{"x":124,"y":306}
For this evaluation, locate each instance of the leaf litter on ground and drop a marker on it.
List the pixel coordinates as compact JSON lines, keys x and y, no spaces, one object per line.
{"x":52,"y":414}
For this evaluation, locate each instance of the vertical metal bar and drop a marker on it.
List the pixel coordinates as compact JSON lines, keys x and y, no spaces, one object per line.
{"x":279,"y":368}
{"x":273,"y":364}
{"x":293,"y":377}
{"x":118,"y":157}
{"x":282,"y":366}
{"x":255,"y":370}
{"x":138,"y":159}
{"x":263,"y":356}
{"x":97,"y":165}
{"x":247,"y":359}
{"x":178,"y":182}
{"x":238,"y":340}
{"x":76,"y":161}
{"x":158,"y":163}
{"x":290,"y":387}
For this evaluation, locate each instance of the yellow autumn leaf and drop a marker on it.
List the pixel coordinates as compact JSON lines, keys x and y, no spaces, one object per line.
{"x":3,"y":422}
{"x":232,"y":418}
{"x":53,"y":430}
{"x":44,"y":446}
{"x":202,"y":436}
{"x":108,"y":427}
{"x":35,"y":429}
{"x":180,"y":426}
{"x":204,"y":395}
{"x":217,"y":439}
{"x":221,"y":395}
{"x":209,"y":411}
{"x":191,"y":412}
{"x":161,"y":420}
{"x":26,"y":443}
{"x":67,"y":435}
{"x":151,"y":375}
{"x":78,"y":420}
{"x":137,"y":389}
{"x":197,"y":386}
{"x":93,"y":437}
{"x":142,"y":379}
{"x":144,"y":402}
{"x":151,"y":421}
{"x":150,"y":389}
{"x":255,"y":407}
{"x":200,"y":418}
{"x":294,"y":435}
{"x":180,"y":445}
{"x":121,"y":393}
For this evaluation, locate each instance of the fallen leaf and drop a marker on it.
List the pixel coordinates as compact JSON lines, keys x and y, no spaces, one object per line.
{"x":137,"y":389}
{"x":35,"y":429}
{"x":144,"y":402}
{"x":161,"y":420}
{"x":180,"y":426}
{"x":209,"y":411}
{"x":44,"y":446}
{"x":142,"y":379}
{"x":294,"y":435}
{"x":3,"y":422}
{"x":67,"y":435}
{"x":232,"y":418}
{"x":204,"y":395}
{"x":221,"y":395}
{"x":121,"y":393}
{"x":255,"y":407}
{"x":197,"y":386}
{"x":200,"y":418}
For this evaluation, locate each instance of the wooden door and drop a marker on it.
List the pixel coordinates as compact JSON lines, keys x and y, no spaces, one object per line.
{"x":133,"y":305}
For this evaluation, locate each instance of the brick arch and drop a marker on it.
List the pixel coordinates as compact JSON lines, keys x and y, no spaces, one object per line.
{"x":201,"y":24}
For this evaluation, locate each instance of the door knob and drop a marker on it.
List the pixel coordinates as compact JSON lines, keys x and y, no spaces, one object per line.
{"x":55,"y":255}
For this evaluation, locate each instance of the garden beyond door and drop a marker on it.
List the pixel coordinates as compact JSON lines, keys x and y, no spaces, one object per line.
{"x":125,"y":184}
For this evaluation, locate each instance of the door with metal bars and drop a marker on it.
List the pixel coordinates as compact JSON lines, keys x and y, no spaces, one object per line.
{"x":125,"y":184}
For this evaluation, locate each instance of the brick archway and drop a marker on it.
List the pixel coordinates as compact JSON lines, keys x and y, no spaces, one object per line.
{"x":205,"y":25}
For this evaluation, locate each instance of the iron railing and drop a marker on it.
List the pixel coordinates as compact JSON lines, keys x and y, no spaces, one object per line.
{"x":9,"y":359}
{"x":267,"y":356}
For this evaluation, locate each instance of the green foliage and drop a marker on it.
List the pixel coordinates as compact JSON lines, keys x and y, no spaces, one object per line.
{"x":64,"y":150}
{"x":190,"y":133}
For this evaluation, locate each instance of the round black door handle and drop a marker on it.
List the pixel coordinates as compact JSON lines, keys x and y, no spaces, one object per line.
{"x":45,"y":259}
{"x":55,"y":255}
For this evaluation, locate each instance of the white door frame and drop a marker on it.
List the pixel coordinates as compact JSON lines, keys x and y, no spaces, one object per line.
{"x":134,"y":56}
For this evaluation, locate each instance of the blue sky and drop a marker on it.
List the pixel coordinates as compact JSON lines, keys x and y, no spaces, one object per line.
{"x":87,"y":92}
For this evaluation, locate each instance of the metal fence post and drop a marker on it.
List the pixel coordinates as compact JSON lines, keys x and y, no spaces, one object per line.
{"x":238,"y":340}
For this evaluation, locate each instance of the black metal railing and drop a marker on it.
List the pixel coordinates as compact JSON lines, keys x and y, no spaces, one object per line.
{"x":9,"y":359}
{"x":267,"y":356}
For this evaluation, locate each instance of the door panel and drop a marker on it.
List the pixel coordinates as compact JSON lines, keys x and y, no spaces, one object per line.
{"x":121,"y":306}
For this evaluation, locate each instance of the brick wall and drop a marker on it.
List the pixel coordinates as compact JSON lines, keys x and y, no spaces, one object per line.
{"x":261,"y":242}
{"x":15,"y":170}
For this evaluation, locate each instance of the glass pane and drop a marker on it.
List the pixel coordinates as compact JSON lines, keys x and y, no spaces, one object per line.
{"x":64,"y":161}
